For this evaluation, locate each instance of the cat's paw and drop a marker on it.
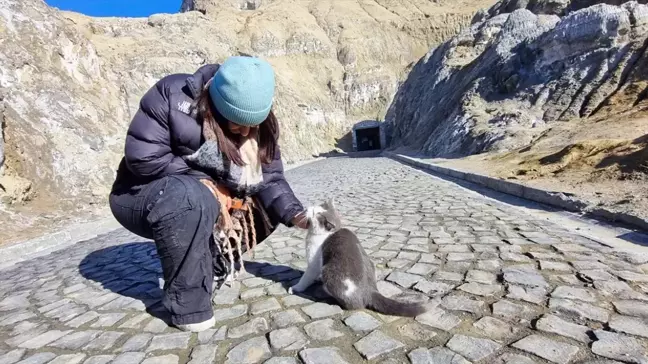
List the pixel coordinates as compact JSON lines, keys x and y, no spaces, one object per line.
{"x":295,"y":289}
{"x":229,"y":280}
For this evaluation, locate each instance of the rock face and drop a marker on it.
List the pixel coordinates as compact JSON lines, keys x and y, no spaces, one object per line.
{"x":61,"y":114}
{"x":502,"y":82}
{"x":69,"y":84}
{"x":550,"y":7}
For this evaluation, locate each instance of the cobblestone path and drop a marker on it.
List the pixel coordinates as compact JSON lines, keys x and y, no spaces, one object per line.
{"x":507,"y":288}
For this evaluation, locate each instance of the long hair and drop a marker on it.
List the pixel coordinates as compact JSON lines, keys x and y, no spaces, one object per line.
{"x":215,"y":126}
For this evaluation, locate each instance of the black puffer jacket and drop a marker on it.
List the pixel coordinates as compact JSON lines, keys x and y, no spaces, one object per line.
{"x":162,"y":131}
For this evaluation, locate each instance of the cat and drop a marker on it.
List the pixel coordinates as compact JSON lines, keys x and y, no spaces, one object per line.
{"x":335,"y":257}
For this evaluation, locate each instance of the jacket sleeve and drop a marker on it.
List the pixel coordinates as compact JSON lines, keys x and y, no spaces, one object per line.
{"x":148,"y":141}
{"x":277,"y":197}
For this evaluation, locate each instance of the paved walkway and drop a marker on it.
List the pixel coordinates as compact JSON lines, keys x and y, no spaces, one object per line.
{"x":508,"y":288}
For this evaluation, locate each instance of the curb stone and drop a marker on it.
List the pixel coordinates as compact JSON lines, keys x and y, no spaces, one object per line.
{"x":565,"y":201}
{"x":59,"y":239}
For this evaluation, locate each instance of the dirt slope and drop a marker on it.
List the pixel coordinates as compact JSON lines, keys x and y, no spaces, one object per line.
{"x":602,"y":160}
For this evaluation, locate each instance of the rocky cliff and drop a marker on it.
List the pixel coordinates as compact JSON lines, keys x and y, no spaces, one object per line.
{"x":522,"y":67}
{"x":62,"y":114}
{"x":69,"y":84}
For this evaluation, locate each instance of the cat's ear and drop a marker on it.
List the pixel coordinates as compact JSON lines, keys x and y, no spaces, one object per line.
{"x":328,"y":204}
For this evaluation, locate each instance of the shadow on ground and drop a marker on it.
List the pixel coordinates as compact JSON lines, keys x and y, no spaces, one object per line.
{"x":635,"y":238}
{"x":287,"y":276}
{"x":132,"y":270}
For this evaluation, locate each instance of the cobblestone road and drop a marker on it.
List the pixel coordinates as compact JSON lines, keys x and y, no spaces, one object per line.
{"x":508,"y":289}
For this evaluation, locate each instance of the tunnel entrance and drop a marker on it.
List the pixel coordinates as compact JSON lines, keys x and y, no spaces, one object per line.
{"x":368,"y":135}
{"x":368,"y":139}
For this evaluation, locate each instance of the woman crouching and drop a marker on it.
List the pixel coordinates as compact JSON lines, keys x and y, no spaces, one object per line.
{"x":203,"y":149}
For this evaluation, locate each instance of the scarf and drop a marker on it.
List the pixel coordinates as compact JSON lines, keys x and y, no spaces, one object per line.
{"x":241,"y":181}
{"x":234,"y":226}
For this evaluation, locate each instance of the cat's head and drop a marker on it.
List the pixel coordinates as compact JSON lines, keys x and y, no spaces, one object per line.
{"x":323,"y":218}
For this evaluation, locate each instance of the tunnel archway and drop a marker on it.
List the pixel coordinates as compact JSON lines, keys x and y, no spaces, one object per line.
{"x":368,"y":135}
{"x":368,"y":139}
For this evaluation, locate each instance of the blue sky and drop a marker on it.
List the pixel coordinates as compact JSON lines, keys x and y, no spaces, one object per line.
{"x":127,"y":8}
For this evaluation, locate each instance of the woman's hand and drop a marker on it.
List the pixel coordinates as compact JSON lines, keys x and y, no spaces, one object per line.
{"x":300,"y":221}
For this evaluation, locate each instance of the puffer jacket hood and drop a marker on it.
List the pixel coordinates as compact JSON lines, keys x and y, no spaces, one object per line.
{"x":164,"y":130}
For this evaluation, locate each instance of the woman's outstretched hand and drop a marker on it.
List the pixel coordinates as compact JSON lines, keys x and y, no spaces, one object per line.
{"x":300,"y":220}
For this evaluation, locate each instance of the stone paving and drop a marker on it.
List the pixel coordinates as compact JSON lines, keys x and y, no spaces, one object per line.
{"x":507,"y":289}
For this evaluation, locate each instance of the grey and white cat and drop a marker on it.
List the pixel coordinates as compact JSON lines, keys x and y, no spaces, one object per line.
{"x":347,"y":273}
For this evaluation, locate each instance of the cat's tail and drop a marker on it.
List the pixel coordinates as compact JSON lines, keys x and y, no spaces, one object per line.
{"x":392,"y":307}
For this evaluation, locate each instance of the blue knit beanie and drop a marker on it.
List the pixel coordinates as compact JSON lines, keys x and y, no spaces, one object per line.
{"x":243,"y":90}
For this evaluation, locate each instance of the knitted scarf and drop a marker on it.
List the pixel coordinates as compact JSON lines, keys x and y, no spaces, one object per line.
{"x":241,"y":181}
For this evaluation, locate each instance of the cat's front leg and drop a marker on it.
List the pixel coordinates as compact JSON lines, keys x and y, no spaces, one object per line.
{"x":310,"y":275}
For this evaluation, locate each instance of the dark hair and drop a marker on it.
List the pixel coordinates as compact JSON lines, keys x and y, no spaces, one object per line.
{"x":215,"y":125}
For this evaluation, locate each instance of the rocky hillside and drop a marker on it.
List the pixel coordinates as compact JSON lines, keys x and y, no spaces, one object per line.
{"x":522,"y":67}
{"x":548,"y":93}
{"x":69,"y":84}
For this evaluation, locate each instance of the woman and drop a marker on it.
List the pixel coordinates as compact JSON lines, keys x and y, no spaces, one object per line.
{"x":162,"y":192}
